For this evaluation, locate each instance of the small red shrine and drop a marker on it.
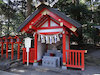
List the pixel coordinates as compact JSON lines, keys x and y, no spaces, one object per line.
{"x":49,"y":26}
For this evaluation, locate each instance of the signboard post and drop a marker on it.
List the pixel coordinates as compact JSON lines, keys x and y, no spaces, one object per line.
{"x":27,"y":46}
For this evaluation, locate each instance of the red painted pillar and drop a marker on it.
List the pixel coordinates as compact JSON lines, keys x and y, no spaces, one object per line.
{"x":69,"y":40}
{"x":6,"y":50}
{"x":64,"y":49}
{"x":18,"y":52}
{"x":35,"y":47}
{"x":24,"y":56}
{"x":82,"y":61}
{"x":2,"y":50}
{"x":12,"y":51}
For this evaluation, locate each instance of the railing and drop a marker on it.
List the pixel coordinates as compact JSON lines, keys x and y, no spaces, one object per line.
{"x":75,"y":58}
{"x":10,"y":40}
{"x":31,"y":55}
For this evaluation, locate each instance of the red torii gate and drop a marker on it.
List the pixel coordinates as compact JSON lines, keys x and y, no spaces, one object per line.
{"x":12,"y":41}
{"x":18,"y":41}
{"x":5,"y":41}
{"x":1,"y":42}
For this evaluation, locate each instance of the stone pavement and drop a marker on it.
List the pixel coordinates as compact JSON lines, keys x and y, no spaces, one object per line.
{"x":24,"y":70}
{"x":7,"y":73}
{"x":90,"y":69}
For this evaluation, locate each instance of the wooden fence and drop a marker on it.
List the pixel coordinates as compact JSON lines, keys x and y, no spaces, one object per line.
{"x":75,"y":58}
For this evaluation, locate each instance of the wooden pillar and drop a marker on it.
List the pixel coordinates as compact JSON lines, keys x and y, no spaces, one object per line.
{"x":12,"y":51}
{"x":69,"y":40}
{"x":82,"y":61}
{"x":64,"y":49}
{"x":2,"y":50}
{"x":35,"y":47}
{"x":18,"y":52}
{"x":6,"y":50}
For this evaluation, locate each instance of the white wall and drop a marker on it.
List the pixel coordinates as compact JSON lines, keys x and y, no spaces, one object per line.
{"x":67,"y":42}
{"x":53,"y":23}
{"x":40,"y":50}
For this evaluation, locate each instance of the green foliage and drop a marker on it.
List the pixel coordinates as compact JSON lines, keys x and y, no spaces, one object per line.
{"x":80,"y":11}
{"x":1,"y":1}
{"x":83,"y":14}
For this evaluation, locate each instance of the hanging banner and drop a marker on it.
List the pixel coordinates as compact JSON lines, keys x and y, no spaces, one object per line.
{"x":58,"y":38}
{"x":50,"y":40}
{"x":47,"y":39}
{"x":55,"y":37}
{"x":42,"y":39}
{"x":53,"y":40}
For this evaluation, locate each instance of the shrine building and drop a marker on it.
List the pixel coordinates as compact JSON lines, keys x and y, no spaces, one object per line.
{"x":50,"y":29}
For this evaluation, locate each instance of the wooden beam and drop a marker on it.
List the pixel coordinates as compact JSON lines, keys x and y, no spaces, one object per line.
{"x":39,"y":21}
{"x":49,"y":33}
{"x":55,"y":27}
{"x":42,"y":23}
{"x":56,"y":17}
{"x":37,"y":17}
{"x":49,"y":22}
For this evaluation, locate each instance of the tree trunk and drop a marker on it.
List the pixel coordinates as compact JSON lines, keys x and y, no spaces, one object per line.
{"x":0,"y":29}
{"x":29,"y":7}
{"x":76,"y":2}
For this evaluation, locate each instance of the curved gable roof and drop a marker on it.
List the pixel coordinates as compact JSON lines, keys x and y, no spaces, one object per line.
{"x":60,"y":14}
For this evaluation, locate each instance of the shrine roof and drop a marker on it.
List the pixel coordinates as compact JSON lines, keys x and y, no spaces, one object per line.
{"x":60,"y":14}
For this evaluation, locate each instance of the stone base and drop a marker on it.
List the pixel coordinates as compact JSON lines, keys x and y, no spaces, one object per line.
{"x":35,"y":64}
{"x":64,"y":67}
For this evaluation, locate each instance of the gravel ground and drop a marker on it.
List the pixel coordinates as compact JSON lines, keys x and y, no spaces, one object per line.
{"x":92,"y":63}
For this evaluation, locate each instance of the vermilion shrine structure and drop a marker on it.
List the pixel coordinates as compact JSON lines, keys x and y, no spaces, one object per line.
{"x":10,"y":41}
{"x":47,"y":24}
